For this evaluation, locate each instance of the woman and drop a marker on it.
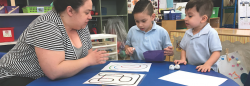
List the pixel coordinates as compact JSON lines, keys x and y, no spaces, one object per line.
{"x":53,"y":45}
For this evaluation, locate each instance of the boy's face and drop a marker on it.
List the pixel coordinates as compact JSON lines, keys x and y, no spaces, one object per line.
{"x":144,"y":21}
{"x":193,"y":18}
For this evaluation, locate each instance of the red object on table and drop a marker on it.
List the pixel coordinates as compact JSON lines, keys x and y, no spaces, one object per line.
{"x":7,"y":34}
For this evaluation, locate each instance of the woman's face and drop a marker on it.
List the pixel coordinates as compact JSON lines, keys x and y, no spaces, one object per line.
{"x":81,"y":18}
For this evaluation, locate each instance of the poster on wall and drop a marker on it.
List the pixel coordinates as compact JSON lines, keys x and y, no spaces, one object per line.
{"x":244,"y":14}
{"x":231,"y":66}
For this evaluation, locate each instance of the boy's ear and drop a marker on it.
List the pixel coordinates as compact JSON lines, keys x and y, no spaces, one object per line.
{"x":204,"y":18}
{"x":153,"y":16}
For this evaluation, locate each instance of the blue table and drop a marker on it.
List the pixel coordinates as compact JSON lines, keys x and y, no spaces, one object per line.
{"x":158,"y":69}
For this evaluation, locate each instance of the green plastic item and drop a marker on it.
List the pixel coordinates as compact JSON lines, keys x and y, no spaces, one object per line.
{"x":33,"y":9}
{"x":51,"y":4}
{"x":122,"y":54}
{"x":215,"y":12}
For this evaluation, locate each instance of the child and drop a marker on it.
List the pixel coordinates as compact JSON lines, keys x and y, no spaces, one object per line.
{"x":200,"y":45}
{"x":146,"y":34}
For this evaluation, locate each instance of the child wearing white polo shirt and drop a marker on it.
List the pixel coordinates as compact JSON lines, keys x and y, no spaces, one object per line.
{"x":200,"y":45}
{"x":146,"y":34}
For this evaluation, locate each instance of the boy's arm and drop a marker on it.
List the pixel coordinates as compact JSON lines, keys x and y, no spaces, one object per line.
{"x":214,"y":47}
{"x":183,"y":55}
{"x":213,"y":58}
{"x":167,"y":45}
{"x":128,"y":44}
{"x":166,"y":40}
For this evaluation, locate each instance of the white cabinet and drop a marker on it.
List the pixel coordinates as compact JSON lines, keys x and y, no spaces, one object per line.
{"x":108,"y":42}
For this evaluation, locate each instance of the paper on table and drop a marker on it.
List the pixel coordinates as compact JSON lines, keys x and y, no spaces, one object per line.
{"x":192,"y":79}
{"x":114,"y":78}
{"x":115,"y":66}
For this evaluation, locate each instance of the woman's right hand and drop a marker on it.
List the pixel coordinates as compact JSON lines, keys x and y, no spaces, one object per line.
{"x":180,"y":62}
{"x":130,"y":50}
{"x":97,"y":57}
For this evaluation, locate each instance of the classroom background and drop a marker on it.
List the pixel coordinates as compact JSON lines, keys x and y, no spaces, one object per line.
{"x":231,"y":19}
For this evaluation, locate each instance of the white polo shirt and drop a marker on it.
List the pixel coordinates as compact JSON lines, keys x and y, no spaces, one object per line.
{"x":199,"y":47}
{"x":155,"y":39}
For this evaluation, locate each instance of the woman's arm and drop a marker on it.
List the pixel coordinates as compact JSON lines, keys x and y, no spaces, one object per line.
{"x":55,"y":66}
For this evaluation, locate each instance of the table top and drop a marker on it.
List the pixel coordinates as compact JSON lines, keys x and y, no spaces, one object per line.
{"x":157,"y":70}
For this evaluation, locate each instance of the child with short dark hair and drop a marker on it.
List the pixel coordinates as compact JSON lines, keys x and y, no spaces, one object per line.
{"x":201,"y":44}
{"x":146,"y":34}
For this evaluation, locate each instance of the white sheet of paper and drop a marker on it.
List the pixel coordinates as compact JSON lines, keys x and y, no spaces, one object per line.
{"x":114,"y":78}
{"x":192,"y":79}
{"x":137,"y":67}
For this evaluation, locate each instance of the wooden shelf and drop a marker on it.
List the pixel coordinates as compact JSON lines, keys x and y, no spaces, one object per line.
{"x":96,"y":16}
{"x":22,"y":14}
{"x":8,"y":43}
{"x":171,"y":25}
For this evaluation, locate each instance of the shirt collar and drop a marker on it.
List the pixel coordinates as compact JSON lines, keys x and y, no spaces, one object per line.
{"x":204,"y":31}
{"x":153,"y":27}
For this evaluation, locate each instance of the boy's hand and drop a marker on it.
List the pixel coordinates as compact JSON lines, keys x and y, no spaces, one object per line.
{"x":168,"y":51}
{"x":204,"y":68}
{"x":130,"y":50}
{"x":180,"y":62}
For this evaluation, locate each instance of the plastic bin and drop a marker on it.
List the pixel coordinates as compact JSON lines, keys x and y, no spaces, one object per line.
{"x":215,"y":12}
{"x":112,"y":57}
{"x":12,"y":9}
{"x":172,"y":16}
{"x":107,"y":49}
{"x":2,"y":9}
{"x":36,"y":9}
{"x":7,"y":34}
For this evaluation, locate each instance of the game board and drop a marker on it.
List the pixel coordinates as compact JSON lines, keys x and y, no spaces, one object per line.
{"x":114,"y":78}
{"x":141,"y":67}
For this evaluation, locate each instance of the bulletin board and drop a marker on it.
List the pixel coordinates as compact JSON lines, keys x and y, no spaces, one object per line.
{"x":244,"y":14}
